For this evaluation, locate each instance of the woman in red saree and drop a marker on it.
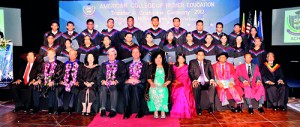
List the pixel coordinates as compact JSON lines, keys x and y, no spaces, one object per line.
{"x":181,"y":91}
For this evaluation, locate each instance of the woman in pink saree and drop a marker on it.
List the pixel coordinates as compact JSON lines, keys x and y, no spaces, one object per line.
{"x":181,"y":91}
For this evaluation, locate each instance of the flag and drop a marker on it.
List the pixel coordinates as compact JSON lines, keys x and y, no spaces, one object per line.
{"x":260,"y":27}
{"x":243,"y":24}
{"x":255,"y":20}
{"x":249,"y":24}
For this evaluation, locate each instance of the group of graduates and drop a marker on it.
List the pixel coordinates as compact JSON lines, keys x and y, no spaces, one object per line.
{"x":158,"y":83}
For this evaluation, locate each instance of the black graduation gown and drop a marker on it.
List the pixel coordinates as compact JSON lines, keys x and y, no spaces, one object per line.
{"x":124,"y":50}
{"x":44,"y":49}
{"x":64,"y":53}
{"x":268,"y":75}
{"x":113,"y":34}
{"x":187,"y":49}
{"x":217,"y":37}
{"x":210,"y":50}
{"x":96,"y":37}
{"x":232,"y":36}
{"x":238,"y":52}
{"x":66,"y":36}
{"x":103,"y":50}
{"x":86,"y":74}
{"x":158,"y":33}
{"x":170,"y":48}
{"x":145,"y":49}
{"x":228,"y":49}
{"x":57,"y":38}
{"x":259,"y":54}
{"x":86,"y":50}
{"x":199,"y":38}
{"x":180,"y":36}
{"x":139,"y":34}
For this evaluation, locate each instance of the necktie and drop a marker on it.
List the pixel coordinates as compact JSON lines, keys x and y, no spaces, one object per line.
{"x":249,"y":72}
{"x":26,"y":74}
{"x":223,"y":70}
{"x":202,"y":74}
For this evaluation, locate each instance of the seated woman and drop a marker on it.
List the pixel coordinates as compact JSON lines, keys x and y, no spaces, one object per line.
{"x":159,"y":77}
{"x":106,"y":45}
{"x":88,"y":47}
{"x":111,"y":77}
{"x":67,"y":48}
{"x":87,"y":77}
{"x":149,"y":47}
{"x":181,"y":91}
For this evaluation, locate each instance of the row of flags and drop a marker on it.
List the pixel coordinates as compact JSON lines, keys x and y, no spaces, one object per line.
{"x":257,"y":22}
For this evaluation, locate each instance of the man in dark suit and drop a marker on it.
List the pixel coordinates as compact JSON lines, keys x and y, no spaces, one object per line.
{"x":202,"y":75}
{"x":135,"y":84}
{"x":274,"y":82}
{"x":21,"y":88}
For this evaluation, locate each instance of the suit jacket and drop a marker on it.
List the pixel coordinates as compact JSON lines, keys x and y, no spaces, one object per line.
{"x":32,"y":75}
{"x":120,"y":74}
{"x":242,"y":74}
{"x":143,"y":75}
{"x":194,"y":70}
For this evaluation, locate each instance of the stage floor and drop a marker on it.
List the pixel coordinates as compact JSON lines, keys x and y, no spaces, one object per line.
{"x":271,"y":118}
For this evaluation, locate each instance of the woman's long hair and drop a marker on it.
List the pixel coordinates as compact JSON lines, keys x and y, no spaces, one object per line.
{"x":164,"y":63}
{"x":173,"y":40}
{"x":180,"y":54}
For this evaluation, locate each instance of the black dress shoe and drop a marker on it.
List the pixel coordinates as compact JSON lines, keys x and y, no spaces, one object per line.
{"x":261,"y":110}
{"x":50,"y":111}
{"x":283,"y":108}
{"x":26,"y":110}
{"x":239,"y":109}
{"x":127,"y":114}
{"x":103,"y":113}
{"x":140,"y":115}
{"x":199,"y":112}
{"x":35,"y":110}
{"x":233,"y":109}
{"x":59,"y":110}
{"x":112,"y":114}
{"x":210,"y":110}
{"x":70,"y":110}
{"x":275,"y":108}
{"x":16,"y":109}
{"x":83,"y":113}
{"x":250,"y":111}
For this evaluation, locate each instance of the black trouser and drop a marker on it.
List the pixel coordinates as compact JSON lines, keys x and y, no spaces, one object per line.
{"x":276,"y":94}
{"x":37,"y":95}
{"x":21,"y":94}
{"x":113,"y":96}
{"x":134,"y":92}
{"x":60,"y":92}
{"x":197,"y":94}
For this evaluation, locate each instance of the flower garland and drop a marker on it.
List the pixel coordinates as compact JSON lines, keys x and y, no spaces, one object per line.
{"x":135,"y":69}
{"x":111,"y":69}
{"x":68,"y":84}
{"x":49,"y":75}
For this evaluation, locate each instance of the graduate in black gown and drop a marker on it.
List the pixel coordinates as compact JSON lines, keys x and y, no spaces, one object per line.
{"x":218,"y":34}
{"x":135,"y":84}
{"x":199,"y":34}
{"x":44,"y":48}
{"x":124,"y":49}
{"x":111,"y":78}
{"x":224,"y":46}
{"x":106,"y":45}
{"x":67,"y":48}
{"x":274,"y":82}
{"x":111,"y":32}
{"x":69,"y":85}
{"x":156,"y":31}
{"x":257,"y":52}
{"x":49,"y":75}
{"x":55,"y":31}
{"x":189,"y":47}
{"x":209,"y":48}
{"x":235,"y":33}
{"x":170,"y":44}
{"x":94,"y":34}
{"x":88,"y":47}
{"x":239,"y":47}
{"x":251,"y":38}
{"x":179,"y":33}
{"x":22,"y":87}
{"x":87,"y":78}
{"x":70,"y":33}
{"x":136,"y":32}
{"x":149,"y":47}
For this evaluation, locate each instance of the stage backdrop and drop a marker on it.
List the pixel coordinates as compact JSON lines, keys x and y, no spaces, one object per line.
{"x":189,"y":11}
